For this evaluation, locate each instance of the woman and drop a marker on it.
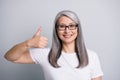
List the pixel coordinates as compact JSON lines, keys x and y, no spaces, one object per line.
{"x":68,"y":58}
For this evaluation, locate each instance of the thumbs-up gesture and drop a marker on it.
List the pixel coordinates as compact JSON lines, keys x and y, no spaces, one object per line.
{"x":38,"y":41}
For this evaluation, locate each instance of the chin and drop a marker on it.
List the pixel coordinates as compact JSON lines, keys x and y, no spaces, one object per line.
{"x":68,"y":41}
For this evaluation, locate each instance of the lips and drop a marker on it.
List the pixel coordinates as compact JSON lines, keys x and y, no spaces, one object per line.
{"x":67,"y":36}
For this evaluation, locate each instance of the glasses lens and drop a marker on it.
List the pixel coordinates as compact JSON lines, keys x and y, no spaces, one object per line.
{"x":70,"y":27}
{"x":61,"y":27}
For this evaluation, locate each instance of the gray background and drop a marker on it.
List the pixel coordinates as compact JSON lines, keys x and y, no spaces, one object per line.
{"x":20,"y":19}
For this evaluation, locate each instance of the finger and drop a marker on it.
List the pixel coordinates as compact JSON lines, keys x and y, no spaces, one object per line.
{"x":38,"y":32}
{"x":43,"y":38}
{"x":43,"y":41}
{"x":42,"y":45}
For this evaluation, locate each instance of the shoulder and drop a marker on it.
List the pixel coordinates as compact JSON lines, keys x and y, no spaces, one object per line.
{"x":92,"y":54}
{"x":94,"y":64}
{"x":39,"y":55}
{"x":39,"y":50}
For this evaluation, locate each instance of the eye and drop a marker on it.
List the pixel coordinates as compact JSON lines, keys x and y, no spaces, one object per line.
{"x":72,"y":25}
{"x":61,"y":26}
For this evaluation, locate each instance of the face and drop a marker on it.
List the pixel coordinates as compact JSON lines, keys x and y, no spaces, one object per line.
{"x":67,"y":35}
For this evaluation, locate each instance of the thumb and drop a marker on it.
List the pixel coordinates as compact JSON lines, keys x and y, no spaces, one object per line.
{"x":38,"y":32}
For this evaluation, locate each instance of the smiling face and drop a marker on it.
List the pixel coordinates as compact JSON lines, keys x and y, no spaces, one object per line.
{"x":67,"y":35}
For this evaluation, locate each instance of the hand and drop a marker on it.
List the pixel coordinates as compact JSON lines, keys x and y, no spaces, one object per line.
{"x":37,"y":40}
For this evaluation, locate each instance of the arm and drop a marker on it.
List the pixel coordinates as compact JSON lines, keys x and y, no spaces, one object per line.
{"x":20,"y":52}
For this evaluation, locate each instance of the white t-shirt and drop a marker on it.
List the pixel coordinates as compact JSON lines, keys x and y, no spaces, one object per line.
{"x":68,"y":63}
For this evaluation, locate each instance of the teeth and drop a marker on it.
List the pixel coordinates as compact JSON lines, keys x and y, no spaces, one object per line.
{"x":67,"y":36}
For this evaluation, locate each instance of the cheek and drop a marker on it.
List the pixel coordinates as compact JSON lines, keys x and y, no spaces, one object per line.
{"x":75,"y":33}
{"x":59,"y":33}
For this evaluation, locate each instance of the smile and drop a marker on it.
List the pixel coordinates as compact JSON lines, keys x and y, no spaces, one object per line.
{"x":67,"y":36}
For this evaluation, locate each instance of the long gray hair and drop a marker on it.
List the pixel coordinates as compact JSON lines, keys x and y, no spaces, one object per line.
{"x":56,"y":48}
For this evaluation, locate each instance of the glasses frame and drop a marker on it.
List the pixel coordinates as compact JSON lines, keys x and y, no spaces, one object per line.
{"x":58,"y":26}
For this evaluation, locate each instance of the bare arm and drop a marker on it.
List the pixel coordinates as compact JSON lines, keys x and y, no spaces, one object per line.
{"x":20,"y":52}
{"x":98,"y":78}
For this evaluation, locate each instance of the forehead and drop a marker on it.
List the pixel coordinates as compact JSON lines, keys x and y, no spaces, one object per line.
{"x":65,"y":19}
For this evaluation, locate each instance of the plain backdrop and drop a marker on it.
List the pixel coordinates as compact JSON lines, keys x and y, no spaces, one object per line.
{"x":20,"y":19}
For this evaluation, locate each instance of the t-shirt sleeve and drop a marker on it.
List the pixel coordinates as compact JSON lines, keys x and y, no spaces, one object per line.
{"x":96,"y":70}
{"x":38,"y":55}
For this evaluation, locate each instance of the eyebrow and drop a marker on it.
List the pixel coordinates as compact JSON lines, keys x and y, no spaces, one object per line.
{"x":65,"y":24}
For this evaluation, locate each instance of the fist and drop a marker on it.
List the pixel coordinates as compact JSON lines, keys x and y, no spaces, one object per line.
{"x":38,"y":41}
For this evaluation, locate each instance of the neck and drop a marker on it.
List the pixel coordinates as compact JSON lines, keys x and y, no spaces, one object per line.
{"x":68,"y":48}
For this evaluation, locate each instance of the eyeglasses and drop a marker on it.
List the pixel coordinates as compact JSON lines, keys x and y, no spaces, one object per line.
{"x":70,"y":27}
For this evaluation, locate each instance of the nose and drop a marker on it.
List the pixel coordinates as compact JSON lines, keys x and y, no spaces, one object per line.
{"x":67,"y":29}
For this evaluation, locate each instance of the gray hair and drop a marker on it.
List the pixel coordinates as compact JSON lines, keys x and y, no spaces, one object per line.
{"x":56,"y":48}
{"x":69,"y":14}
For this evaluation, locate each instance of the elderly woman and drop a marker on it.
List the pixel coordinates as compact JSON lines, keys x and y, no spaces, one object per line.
{"x":67,"y":59}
